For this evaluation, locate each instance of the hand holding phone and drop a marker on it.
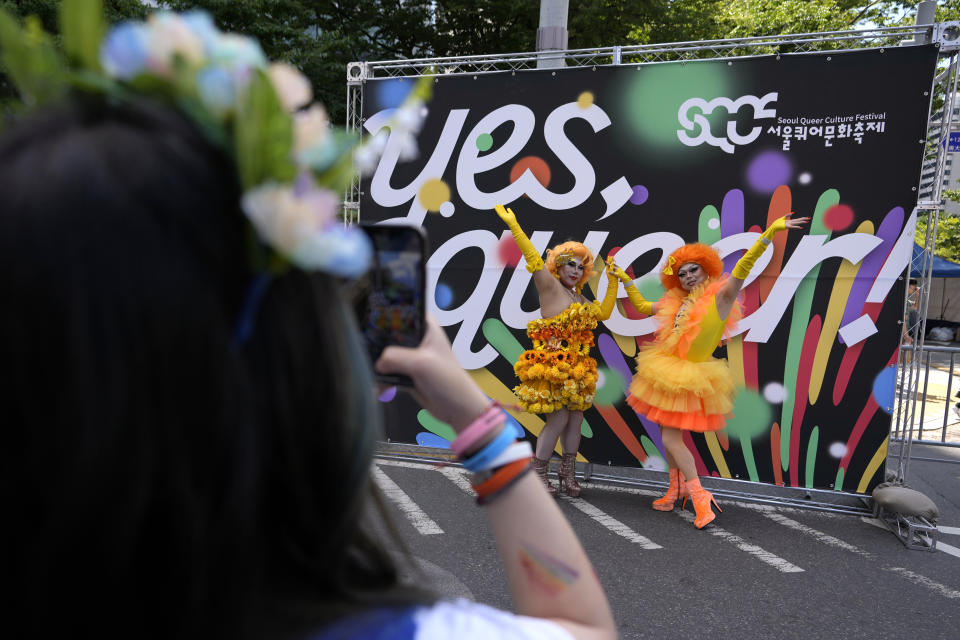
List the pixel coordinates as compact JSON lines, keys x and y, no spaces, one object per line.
{"x":390,"y":300}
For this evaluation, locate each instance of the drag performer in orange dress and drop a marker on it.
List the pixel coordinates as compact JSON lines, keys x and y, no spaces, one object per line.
{"x":558,"y":377}
{"x":678,"y":383}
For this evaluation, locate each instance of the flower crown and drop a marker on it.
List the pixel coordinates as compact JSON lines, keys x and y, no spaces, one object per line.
{"x":291,"y":163}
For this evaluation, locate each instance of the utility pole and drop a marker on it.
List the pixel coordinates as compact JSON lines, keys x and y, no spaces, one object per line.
{"x":552,"y":34}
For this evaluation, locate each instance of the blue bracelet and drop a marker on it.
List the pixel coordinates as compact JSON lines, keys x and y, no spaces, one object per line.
{"x":481,"y":459}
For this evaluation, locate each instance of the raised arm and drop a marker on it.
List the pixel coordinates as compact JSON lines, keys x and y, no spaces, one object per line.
{"x":549,"y":574}
{"x":543,"y":280}
{"x":728,"y":294}
{"x":640,"y":303}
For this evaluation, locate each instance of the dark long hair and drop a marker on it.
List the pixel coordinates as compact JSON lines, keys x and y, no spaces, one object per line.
{"x":160,"y":479}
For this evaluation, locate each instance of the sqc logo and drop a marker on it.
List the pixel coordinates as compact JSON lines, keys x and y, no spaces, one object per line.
{"x":700,"y":108}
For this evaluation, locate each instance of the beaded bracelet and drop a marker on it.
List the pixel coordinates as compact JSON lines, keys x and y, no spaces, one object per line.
{"x":482,"y":459}
{"x":490,"y":419}
{"x":501,"y":478}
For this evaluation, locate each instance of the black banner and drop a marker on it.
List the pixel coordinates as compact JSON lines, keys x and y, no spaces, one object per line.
{"x":638,"y":160}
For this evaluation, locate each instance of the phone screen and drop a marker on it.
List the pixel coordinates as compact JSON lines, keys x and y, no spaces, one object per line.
{"x":390,"y":300}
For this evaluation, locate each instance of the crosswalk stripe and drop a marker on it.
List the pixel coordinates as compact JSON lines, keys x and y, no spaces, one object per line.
{"x":761,"y":554}
{"x":953,"y":531}
{"x":420,"y":520}
{"x":926,"y":582}
{"x":817,"y":535}
{"x":613,"y":524}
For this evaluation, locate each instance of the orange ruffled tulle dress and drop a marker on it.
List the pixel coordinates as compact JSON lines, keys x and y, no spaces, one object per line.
{"x":558,"y":372}
{"x":678,"y":382}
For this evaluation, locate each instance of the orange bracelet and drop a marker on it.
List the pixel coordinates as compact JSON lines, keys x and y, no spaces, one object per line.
{"x":501,"y":478}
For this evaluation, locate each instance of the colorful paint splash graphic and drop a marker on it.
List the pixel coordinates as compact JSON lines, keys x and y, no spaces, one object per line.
{"x":770,"y":414}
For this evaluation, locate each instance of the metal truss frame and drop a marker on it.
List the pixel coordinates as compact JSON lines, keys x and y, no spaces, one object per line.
{"x":946,"y":36}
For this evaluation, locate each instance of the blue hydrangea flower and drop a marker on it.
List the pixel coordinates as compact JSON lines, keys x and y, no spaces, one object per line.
{"x":123,"y":52}
{"x":203,"y":27}
{"x":217,"y":89}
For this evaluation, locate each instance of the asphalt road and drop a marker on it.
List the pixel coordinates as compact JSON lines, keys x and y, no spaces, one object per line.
{"x":757,"y":572}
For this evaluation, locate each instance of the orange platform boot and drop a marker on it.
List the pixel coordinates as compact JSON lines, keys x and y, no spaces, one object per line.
{"x":676,"y":490}
{"x":701,"y":503}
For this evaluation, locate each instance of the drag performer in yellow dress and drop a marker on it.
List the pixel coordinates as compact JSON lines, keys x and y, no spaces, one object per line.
{"x":678,"y":383}
{"x":558,"y":377}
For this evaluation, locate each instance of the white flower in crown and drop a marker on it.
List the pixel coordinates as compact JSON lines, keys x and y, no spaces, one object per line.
{"x":292,"y":87}
{"x":169,"y":36}
{"x":299,"y":222}
{"x":311,"y":131}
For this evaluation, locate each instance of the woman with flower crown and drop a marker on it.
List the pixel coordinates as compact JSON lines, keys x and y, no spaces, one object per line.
{"x":558,"y":377}
{"x":190,"y":412}
{"x":678,"y":383}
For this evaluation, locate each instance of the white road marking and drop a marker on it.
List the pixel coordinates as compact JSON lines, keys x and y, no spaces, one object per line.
{"x":459,"y":478}
{"x":817,"y":535}
{"x":612,"y":524}
{"x":916,"y":578}
{"x":420,"y":520}
{"x":774,"y":561}
{"x":946,"y":548}
{"x":952,"y":531}
{"x":723,"y":501}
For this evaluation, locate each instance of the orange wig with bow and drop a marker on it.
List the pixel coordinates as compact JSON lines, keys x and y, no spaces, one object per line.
{"x":704,"y":255}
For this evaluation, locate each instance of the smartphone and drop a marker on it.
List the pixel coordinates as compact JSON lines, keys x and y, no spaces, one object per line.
{"x":389,"y":300}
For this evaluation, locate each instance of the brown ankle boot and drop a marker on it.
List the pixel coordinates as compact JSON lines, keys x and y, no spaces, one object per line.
{"x":701,"y":503}
{"x":676,"y":490}
{"x":568,"y":474}
{"x":540,"y":467}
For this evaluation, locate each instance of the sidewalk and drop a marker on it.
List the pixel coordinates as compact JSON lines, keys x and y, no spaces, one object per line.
{"x":933,"y":386}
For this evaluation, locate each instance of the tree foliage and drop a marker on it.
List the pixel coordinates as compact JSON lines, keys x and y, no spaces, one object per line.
{"x":947,"y":240}
{"x":322,"y":36}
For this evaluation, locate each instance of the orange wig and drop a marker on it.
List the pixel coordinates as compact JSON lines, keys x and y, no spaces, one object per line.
{"x":704,"y":255}
{"x":577,"y":250}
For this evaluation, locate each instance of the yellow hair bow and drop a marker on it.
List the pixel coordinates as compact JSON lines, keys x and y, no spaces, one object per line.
{"x":668,"y":270}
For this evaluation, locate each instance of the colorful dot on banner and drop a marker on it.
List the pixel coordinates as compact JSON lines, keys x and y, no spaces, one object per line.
{"x":443,"y":296}
{"x":883,"y":388}
{"x":447,"y":209}
{"x":388,"y":395}
{"x":433,"y":193}
{"x":838,"y":217}
{"x":585,"y":100}
{"x":640,"y":194}
{"x":775,"y":393}
{"x":392,"y":93}
{"x":751,"y":415}
{"x":805,"y":178}
{"x":655,"y":463}
{"x":508,"y":252}
{"x":484,"y":141}
{"x":838,"y":450}
{"x":650,"y":287}
{"x":610,"y":387}
{"x":425,"y":439}
{"x":537,"y":167}
{"x":768,"y":170}
{"x":713,"y":223}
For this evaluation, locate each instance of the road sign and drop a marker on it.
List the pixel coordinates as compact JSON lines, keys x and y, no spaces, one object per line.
{"x":953,"y":142}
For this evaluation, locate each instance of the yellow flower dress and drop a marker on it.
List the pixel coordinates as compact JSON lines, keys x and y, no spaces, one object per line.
{"x":558,"y":372}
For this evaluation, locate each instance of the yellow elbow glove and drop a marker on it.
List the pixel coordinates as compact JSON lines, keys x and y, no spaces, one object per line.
{"x":639,"y":303}
{"x":610,"y":297}
{"x":530,"y":253}
{"x":742,"y":269}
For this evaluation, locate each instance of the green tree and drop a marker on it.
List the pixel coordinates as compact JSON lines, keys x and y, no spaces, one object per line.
{"x":947,"y":240}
